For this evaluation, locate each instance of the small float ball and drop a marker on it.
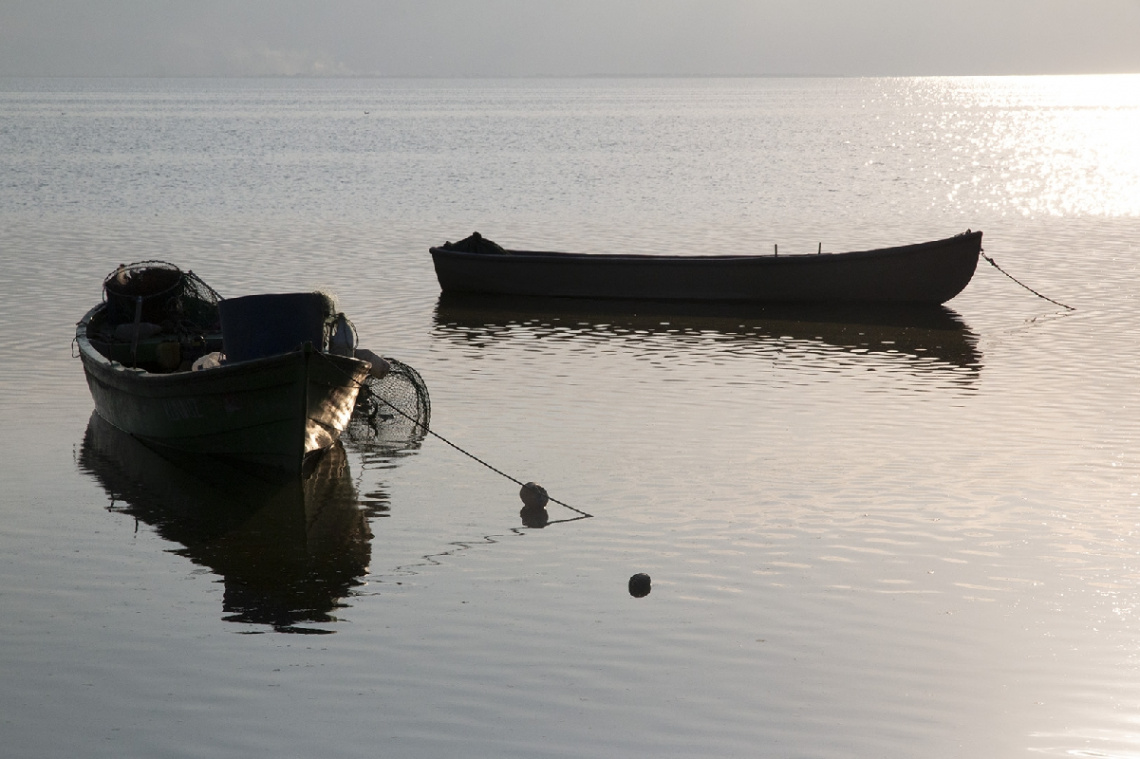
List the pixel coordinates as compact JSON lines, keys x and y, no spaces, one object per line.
{"x":639,"y":585}
{"x":533,"y":496}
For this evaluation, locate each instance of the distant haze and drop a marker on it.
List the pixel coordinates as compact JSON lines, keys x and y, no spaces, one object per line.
{"x":444,"y":38}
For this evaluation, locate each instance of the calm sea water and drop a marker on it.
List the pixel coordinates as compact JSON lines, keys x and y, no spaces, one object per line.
{"x":867,"y":537}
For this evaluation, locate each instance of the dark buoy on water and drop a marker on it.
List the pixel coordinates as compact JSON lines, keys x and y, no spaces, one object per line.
{"x":639,"y":585}
{"x":533,"y":496}
{"x":534,"y":500}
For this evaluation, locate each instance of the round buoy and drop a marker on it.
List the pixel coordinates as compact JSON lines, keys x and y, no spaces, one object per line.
{"x":639,"y":585}
{"x":533,"y":496}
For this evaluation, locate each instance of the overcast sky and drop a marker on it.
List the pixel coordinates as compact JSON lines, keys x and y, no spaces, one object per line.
{"x":567,"y":37}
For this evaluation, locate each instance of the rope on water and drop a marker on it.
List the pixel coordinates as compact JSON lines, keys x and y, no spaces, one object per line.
{"x":993,"y":263}
{"x":436,"y":435}
{"x":492,"y":468}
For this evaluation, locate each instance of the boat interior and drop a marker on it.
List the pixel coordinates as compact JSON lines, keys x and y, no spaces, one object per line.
{"x":162,"y":320}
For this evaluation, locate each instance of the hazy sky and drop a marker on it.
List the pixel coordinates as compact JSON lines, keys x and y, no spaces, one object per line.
{"x":567,"y":37}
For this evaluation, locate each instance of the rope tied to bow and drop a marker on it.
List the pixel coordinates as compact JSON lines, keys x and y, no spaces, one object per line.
{"x":422,"y":423}
{"x":993,"y":263}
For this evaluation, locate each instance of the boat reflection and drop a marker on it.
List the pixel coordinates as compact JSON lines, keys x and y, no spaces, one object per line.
{"x":289,"y":551}
{"x":928,"y":338}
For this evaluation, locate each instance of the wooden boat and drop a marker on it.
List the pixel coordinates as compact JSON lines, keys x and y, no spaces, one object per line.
{"x":930,"y":273}
{"x":269,"y":406}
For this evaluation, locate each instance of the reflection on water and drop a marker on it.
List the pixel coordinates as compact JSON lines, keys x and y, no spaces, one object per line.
{"x":862,"y":543}
{"x":288,"y":551}
{"x":926,"y":339}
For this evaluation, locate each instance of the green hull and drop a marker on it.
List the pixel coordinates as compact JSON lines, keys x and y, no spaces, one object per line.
{"x":274,"y":412}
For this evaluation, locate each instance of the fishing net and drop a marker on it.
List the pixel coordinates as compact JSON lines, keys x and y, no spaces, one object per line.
{"x":476,"y":243}
{"x":160,"y":293}
{"x":392,"y":413}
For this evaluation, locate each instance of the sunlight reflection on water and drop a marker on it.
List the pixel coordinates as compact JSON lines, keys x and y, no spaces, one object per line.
{"x":1028,"y":145}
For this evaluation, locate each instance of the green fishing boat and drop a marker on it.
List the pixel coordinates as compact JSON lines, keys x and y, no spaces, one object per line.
{"x":268,"y":381}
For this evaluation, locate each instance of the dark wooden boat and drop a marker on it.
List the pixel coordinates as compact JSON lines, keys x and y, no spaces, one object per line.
{"x":269,"y":406}
{"x":929,"y":273}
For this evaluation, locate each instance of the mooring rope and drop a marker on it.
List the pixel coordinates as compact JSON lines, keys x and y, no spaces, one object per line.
{"x":993,"y":263}
{"x":436,"y":435}
{"x":472,"y":456}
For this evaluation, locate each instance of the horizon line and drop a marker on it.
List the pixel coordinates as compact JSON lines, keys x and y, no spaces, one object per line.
{"x":557,"y":76}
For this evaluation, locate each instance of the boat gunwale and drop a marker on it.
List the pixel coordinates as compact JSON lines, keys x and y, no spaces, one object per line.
{"x":690,"y":259}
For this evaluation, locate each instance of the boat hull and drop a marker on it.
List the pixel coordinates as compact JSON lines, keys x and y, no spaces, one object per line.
{"x":272,"y":413}
{"x":929,"y":273}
